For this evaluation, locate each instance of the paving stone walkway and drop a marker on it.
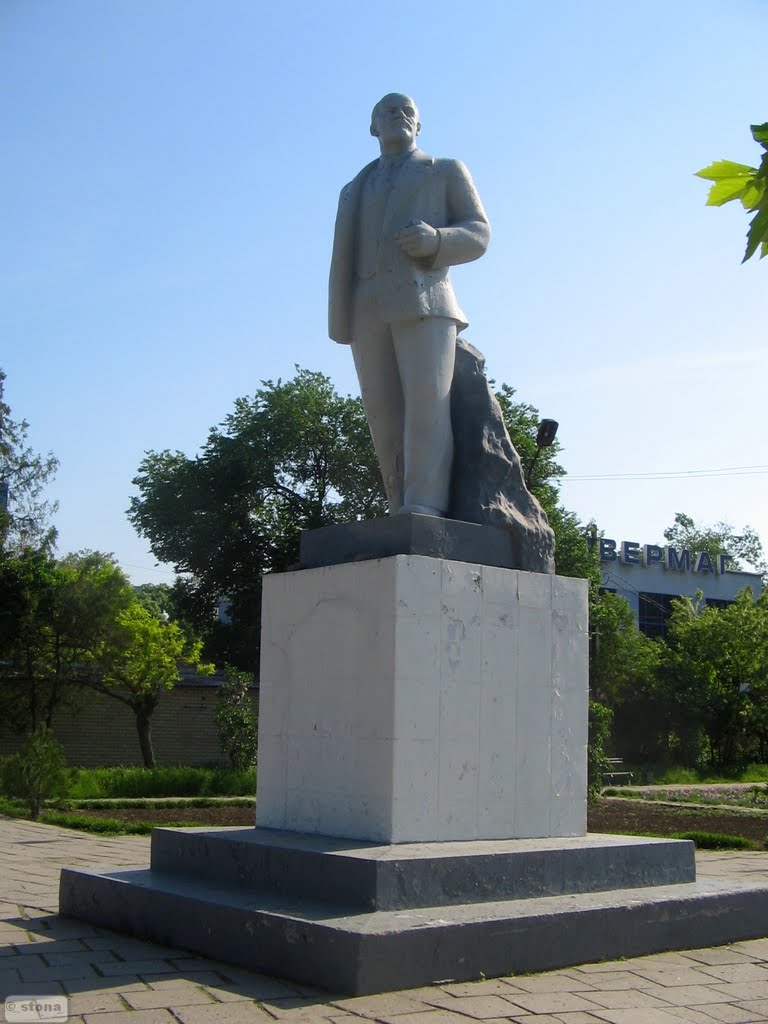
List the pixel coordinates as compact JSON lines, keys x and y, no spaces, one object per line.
{"x":112,"y":979}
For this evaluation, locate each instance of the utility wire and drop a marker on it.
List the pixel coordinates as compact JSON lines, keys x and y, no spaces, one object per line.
{"x":689,"y":474}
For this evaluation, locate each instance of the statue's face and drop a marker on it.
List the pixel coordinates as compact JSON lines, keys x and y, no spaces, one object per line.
{"x":395,"y":119}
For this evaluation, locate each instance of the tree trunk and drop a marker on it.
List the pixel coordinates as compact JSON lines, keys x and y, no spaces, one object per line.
{"x":144,"y":729}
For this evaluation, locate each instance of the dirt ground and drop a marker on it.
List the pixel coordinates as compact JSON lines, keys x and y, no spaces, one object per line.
{"x":214,"y":816}
{"x":612,"y":815}
{"x":608,"y":815}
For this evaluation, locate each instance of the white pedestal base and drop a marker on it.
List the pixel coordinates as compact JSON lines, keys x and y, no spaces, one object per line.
{"x":412,"y":699}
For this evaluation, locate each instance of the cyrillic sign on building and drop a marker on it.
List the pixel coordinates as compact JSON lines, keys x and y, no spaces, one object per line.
{"x":629,"y":552}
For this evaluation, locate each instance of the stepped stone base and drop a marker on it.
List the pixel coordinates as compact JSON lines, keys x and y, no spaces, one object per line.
{"x":360,"y":918}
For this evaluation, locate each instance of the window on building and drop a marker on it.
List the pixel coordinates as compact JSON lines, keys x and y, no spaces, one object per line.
{"x":718,"y":602}
{"x":654,"y":613}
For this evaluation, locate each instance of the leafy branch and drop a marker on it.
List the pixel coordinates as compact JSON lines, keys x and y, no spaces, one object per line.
{"x":748,"y":185}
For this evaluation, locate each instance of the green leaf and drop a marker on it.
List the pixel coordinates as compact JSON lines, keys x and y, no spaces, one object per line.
{"x":725,"y":169}
{"x":753,"y":195}
{"x":762,"y":171}
{"x":727,"y":189}
{"x":760,"y":133}
{"x":763,"y":249}
{"x":757,"y":234}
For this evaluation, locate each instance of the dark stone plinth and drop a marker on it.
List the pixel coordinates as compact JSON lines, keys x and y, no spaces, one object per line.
{"x":376,"y":877}
{"x":409,"y":534}
{"x":362,"y":918}
{"x":328,"y":945}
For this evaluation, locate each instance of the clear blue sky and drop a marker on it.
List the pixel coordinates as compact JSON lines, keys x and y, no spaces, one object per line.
{"x":167,"y":194}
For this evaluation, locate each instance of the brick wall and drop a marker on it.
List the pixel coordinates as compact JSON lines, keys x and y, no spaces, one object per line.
{"x":102,"y":730}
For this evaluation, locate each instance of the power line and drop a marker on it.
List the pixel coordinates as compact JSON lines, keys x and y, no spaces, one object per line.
{"x":686,"y":474}
{"x":147,"y":568}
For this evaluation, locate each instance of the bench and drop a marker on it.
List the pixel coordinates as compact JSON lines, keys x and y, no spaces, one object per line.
{"x":614,"y":776}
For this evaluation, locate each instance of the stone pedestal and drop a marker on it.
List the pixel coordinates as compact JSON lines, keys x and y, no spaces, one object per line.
{"x":359,"y":918}
{"x":411,"y":699}
{"x":423,"y":723}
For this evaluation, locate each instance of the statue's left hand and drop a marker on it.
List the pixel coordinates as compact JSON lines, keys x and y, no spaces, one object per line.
{"x":419,"y":240}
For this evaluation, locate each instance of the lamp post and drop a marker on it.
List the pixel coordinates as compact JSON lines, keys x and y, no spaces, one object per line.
{"x":544,"y":438}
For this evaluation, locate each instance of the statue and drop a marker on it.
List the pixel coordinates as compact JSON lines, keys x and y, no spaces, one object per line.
{"x":402,"y":222}
{"x":437,"y":429}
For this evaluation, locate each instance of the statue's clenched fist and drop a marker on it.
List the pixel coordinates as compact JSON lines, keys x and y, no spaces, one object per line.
{"x":419,"y":240}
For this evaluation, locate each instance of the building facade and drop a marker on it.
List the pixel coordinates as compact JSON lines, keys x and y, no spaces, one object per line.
{"x":650,"y":576}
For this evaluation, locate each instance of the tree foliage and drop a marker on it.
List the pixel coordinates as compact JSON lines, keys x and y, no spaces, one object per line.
{"x":236,"y":719}
{"x":77,"y":625}
{"x":744,"y":548}
{"x":294,"y":457}
{"x":157,"y":598}
{"x":623,"y":663}
{"x":572,"y":553}
{"x":24,"y":514}
{"x":715,"y":679}
{"x":523,"y":421}
{"x":139,"y":659}
{"x":623,"y":660}
{"x":53,"y":614}
{"x":600,"y":718}
{"x":733,"y":181}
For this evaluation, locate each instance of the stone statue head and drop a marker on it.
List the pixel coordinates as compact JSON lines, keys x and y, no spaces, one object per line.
{"x":395,"y":119}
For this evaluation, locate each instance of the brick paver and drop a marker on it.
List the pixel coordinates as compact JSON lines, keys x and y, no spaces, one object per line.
{"x":115,"y":979}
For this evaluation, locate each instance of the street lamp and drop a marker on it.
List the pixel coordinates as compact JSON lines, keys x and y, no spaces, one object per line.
{"x":544,"y":438}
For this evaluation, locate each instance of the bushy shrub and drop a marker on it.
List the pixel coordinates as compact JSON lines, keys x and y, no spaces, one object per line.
{"x":715,"y":840}
{"x":166,"y":781}
{"x":37,"y":773}
{"x":600,"y":718}
{"x":107,"y":826}
{"x":235,"y":719}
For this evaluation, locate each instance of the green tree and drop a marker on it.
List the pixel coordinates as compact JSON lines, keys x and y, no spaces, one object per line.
{"x":715,"y":679}
{"x":53,"y":615}
{"x":733,"y":181}
{"x":294,"y":457}
{"x":745,"y":548}
{"x":236,"y":719}
{"x":157,"y":598}
{"x":523,"y":421}
{"x":573,"y":556}
{"x":77,"y":625}
{"x":138,"y":661}
{"x":24,"y":475}
{"x":622,"y":672}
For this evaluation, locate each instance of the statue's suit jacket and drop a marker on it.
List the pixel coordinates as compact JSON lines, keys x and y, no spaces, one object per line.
{"x":439,"y":192}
